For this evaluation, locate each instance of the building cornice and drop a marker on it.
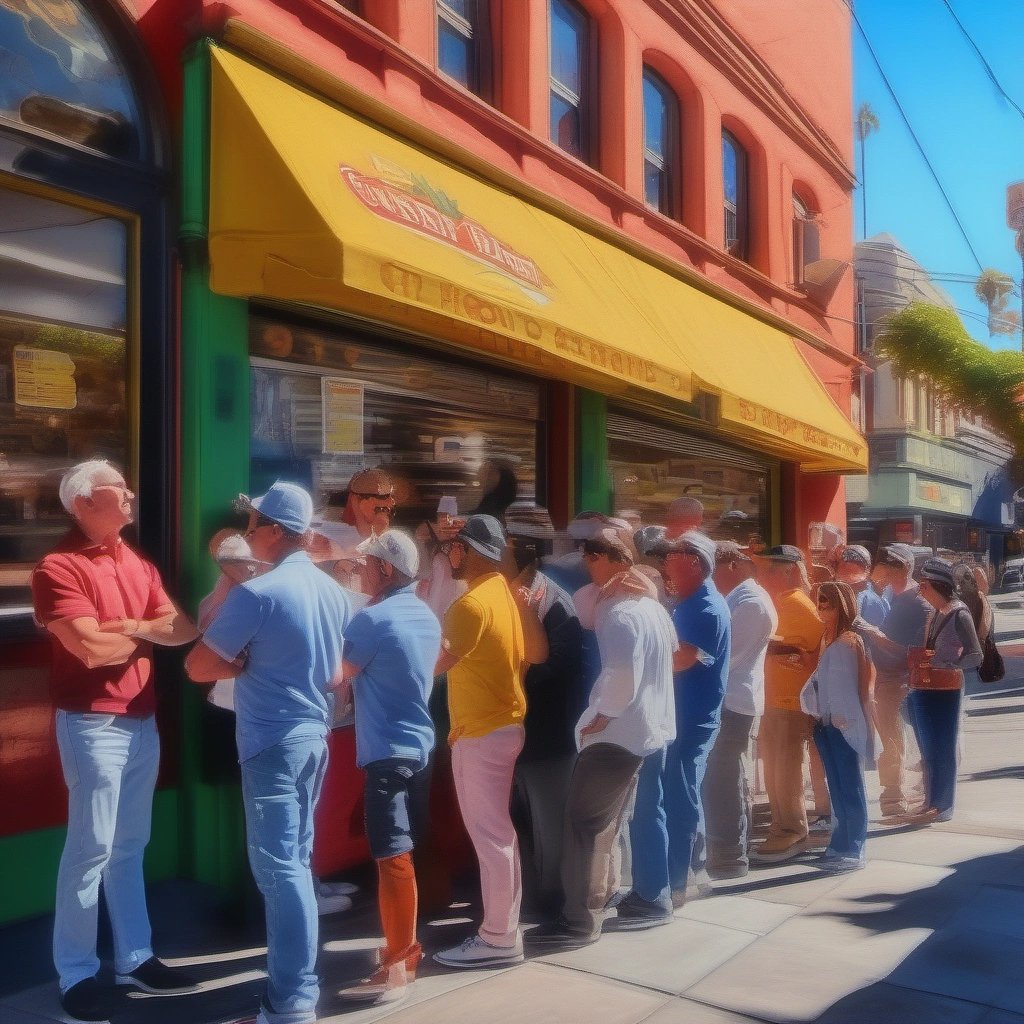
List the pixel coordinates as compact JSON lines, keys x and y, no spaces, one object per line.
{"x":704,"y":28}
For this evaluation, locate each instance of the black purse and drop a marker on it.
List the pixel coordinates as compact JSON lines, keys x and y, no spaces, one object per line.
{"x":991,"y":669}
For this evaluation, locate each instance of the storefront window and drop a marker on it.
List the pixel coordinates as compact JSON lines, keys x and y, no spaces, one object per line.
{"x":63,"y":369}
{"x":60,"y":75}
{"x":325,"y":403}
{"x":652,"y":466}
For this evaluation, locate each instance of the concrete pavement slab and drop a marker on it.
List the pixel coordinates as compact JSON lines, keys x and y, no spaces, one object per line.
{"x":669,"y":958}
{"x":938,"y":848}
{"x":686,"y":1011}
{"x":883,"y":1003}
{"x":537,"y":993}
{"x":804,"y":966}
{"x":797,"y":883}
{"x":743,"y":913}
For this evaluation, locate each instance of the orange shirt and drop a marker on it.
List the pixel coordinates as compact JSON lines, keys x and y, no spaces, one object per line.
{"x":785,"y":675}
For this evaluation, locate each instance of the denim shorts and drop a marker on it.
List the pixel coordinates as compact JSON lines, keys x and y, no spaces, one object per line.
{"x":396,"y":805}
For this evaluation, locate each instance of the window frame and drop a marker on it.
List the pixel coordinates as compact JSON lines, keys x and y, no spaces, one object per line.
{"x":805,"y":237}
{"x":478,"y":34}
{"x":740,"y":246}
{"x":671,"y":162}
{"x":585,"y":102}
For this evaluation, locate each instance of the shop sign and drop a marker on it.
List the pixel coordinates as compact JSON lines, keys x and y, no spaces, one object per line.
{"x":904,"y":532}
{"x":44,"y":379}
{"x":342,"y":410}
{"x":952,"y":499}
{"x":794,"y":430}
{"x":411,"y":201}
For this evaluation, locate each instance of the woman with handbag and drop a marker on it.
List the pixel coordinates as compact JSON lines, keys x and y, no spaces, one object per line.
{"x":936,"y":686}
{"x":991,"y":668}
{"x":840,"y":697}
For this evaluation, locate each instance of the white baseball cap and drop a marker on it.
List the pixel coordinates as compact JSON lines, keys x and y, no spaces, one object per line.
{"x":394,"y":547}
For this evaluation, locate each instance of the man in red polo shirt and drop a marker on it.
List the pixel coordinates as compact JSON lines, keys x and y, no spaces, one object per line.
{"x":104,"y":606}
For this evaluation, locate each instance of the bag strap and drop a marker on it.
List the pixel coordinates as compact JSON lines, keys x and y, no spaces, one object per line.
{"x":932,"y":637}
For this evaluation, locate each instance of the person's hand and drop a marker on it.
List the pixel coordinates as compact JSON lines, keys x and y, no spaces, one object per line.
{"x":599,"y":724}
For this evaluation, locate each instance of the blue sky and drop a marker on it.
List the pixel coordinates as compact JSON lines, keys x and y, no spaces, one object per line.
{"x":973,"y":137}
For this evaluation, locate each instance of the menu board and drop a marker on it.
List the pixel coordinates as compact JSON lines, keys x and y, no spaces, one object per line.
{"x":342,"y":416}
{"x":44,"y":379}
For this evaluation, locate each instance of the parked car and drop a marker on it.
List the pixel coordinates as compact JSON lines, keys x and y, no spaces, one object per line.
{"x":1013,"y":574}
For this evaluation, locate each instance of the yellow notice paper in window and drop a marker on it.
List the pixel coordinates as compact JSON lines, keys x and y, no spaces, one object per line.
{"x":44,"y":379}
{"x":342,"y":415}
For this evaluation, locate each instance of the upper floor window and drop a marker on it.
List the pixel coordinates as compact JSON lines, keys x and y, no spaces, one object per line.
{"x":463,"y":43}
{"x":661,"y":144}
{"x":61,"y":76}
{"x":734,"y":180}
{"x":571,"y":79}
{"x":806,"y":245}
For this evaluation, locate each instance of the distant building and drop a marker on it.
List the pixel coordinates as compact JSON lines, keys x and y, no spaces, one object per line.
{"x":937,"y":476}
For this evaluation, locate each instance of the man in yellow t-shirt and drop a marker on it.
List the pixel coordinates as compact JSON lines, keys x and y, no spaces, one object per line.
{"x":785,"y":729}
{"x":490,"y":635}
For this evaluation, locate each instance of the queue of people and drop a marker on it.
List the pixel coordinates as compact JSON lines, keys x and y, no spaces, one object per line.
{"x":601,"y":708}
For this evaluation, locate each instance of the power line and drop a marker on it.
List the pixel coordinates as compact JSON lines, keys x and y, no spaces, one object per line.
{"x":984,"y":63}
{"x":913,"y":135}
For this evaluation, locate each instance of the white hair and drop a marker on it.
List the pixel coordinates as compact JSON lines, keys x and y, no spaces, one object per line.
{"x":79,"y":481}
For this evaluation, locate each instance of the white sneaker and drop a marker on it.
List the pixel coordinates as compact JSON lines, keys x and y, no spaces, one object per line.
{"x":477,"y":952}
{"x":327,"y":904}
{"x":337,"y":888}
{"x":388,"y":985}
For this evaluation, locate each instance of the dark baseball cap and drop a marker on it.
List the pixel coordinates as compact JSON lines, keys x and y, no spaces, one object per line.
{"x":784,"y":553}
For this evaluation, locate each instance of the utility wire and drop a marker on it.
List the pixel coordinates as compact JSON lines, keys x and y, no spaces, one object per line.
{"x":913,"y":135}
{"x":984,"y":63}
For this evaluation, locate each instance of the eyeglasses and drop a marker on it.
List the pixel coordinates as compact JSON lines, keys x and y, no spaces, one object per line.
{"x":378,"y":497}
{"x":261,"y":521}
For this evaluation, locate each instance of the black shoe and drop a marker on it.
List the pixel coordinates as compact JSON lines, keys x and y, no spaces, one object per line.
{"x":156,"y":977}
{"x":85,"y":1001}
{"x":636,"y":913}
{"x":558,"y":935}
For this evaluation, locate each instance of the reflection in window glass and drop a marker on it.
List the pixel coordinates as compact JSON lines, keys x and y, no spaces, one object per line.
{"x":734,"y":182}
{"x":462,"y":42}
{"x":661,"y":131}
{"x":651,"y":467}
{"x":63,"y":368}
{"x":431,"y":424}
{"x":570,"y":86}
{"x":59,"y":73}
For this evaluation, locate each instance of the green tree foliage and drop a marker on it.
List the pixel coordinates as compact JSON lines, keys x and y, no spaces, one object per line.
{"x":929,"y":341}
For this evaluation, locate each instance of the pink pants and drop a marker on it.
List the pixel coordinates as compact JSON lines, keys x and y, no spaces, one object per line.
{"x":482,"y":767}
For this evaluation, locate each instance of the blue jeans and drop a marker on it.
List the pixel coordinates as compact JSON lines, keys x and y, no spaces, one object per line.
{"x":846,"y":788}
{"x":280,"y":788}
{"x":110,"y":765}
{"x":935,"y":715}
{"x":668,"y":813}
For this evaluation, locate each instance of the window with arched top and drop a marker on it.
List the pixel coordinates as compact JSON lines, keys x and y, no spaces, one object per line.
{"x":806,"y":243}
{"x":60,"y":75}
{"x":735,"y":182}
{"x":571,"y":79}
{"x":661,"y":145}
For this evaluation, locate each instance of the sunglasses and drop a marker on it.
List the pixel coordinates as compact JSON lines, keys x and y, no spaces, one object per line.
{"x":261,"y":522}
{"x":380,"y":497}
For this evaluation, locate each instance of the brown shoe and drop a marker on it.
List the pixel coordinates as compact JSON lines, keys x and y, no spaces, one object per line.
{"x":776,"y":849}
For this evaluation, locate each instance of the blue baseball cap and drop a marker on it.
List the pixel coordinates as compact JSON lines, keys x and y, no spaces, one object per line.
{"x":288,"y":505}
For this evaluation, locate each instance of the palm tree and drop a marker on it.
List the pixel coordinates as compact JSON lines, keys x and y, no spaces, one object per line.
{"x":867,"y":124}
{"x":993,"y":288}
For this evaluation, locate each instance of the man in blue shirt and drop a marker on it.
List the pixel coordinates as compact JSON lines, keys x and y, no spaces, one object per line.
{"x":854,"y":567}
{"x":391,"y":647}
{"x":663,"y":841}
{"x":279,"y":635}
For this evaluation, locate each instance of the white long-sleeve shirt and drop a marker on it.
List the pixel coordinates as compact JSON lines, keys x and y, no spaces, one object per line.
{"x":636,"y":640}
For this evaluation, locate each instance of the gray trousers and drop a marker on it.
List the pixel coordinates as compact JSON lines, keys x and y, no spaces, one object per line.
{"x":726,"y":791}
{"x":603,"y":781}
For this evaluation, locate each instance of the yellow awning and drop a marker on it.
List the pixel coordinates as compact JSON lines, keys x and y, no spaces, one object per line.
{"x":310,"y":204}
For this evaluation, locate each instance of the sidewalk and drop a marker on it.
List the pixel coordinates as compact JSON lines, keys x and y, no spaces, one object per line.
{"x":932,"y":930}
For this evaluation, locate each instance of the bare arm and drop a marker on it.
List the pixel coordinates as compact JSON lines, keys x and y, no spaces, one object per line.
{"x":170,"y":627}
{"x":445,"y":660}
{"x":205,"y":665}
{"x":685,"y":657}
{"x":94,"y":648}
